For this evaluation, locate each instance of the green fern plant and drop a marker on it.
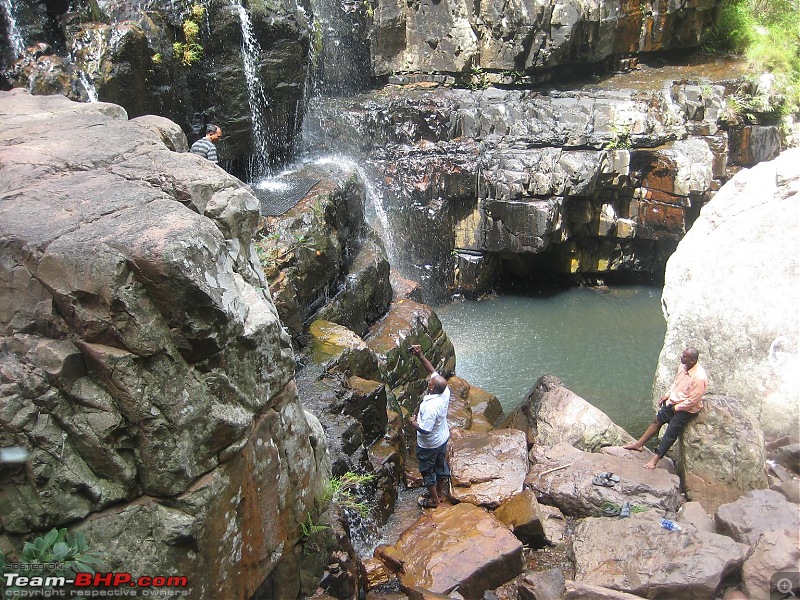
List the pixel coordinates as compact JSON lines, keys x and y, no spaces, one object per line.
{"x":340,"y":490}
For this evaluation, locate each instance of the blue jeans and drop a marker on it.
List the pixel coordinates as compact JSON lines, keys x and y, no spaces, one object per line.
{"x":433,"y":464}
{"x":677,"y":419}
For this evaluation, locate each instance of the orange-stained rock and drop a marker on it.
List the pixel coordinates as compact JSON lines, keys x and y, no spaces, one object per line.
{"x":462,"y":546}
{"x":480,"y":401}
{"x":487,"y":468}
{"x":521,"y":514}
{"x":480,"y":424}
{"x":376,"y":572}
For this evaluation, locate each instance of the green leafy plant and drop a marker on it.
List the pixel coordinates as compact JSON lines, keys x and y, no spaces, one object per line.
{"x":157,"y":58}
{"x":62,"y":553}
{"x":309,"y":528}
{"x":190,"y":51}
{"x":341,"y":491}
{"x":620,"y":138}
{"x":198,"y":11}
{"x":767,"y":33}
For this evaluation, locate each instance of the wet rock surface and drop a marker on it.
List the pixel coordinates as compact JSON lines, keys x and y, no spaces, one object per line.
{"x":487,"y":468}
{"x":438,"y":554}
{"x":573,"y":181}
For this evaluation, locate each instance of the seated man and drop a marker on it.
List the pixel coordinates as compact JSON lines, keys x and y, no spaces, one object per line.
{"x":678,"y":406}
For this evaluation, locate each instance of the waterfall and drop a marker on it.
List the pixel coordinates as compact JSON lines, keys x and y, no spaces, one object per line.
{"x":16,"y":42}
{"x":341,"y":62}
{"x":251,"y":53}
{"x":374,"y":209}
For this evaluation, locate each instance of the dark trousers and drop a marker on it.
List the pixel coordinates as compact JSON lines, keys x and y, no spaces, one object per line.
{"x":677,"y":420}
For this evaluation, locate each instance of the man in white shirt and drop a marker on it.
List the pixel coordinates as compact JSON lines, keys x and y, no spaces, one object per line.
{"x":430,"y":423}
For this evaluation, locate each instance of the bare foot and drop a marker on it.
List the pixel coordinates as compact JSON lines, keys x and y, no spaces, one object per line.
{"x":651,"y":464}
{"x":636,"y":446}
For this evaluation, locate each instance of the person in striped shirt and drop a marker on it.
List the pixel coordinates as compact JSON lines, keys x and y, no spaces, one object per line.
{"x":206,"y":146}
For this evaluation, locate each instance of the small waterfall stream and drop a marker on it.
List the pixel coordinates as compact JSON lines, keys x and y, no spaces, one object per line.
{"x":251,"y":51}
{"x":14,"y":36}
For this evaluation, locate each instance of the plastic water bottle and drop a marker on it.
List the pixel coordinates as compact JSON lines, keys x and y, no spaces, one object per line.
{"x":671,"y":525}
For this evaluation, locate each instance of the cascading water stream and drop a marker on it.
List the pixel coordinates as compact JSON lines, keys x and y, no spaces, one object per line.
{"x":15,"y":40}
{"x":251,"y":52}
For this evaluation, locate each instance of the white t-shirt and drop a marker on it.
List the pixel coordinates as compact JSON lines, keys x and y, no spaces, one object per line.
{"x":432,"y":416}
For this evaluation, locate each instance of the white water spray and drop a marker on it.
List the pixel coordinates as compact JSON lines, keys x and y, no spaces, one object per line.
{"x":251,"y":51}
{"x":374,"y":206}
{"x":14,"y":34}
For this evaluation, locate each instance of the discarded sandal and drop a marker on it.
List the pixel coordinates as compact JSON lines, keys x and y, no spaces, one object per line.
{"x":602,"y":481}
{"x":609,"y":475}
{"x":611,"y":511}
{"x":625,"y":511}
{"x":426,"y":502}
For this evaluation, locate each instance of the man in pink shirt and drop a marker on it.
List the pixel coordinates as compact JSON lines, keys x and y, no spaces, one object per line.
{"x":677,"y":407}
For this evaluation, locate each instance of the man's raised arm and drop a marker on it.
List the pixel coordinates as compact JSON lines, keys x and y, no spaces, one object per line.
{"x":416,"y":350}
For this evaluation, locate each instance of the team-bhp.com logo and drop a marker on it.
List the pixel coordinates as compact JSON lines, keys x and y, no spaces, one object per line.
{"x":93,"y":585}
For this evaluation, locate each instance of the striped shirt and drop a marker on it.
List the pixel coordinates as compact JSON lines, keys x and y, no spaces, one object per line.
{"x":205,"y":147}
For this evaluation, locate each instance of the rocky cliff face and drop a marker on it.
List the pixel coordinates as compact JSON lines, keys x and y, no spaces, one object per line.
{"x":732,"y":291}
{"x":459,"y":36}
{"x":485,"y":184}
{"x":143,"y":365}
{"x":124,"y":52}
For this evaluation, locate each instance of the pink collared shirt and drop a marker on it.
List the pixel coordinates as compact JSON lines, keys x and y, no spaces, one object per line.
{"x":687,"y":390}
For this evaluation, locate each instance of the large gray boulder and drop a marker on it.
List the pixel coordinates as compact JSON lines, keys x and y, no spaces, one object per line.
{"x":551,"y":414}
{"x":731,"y":289}
{"x":722,"y":453}
{"x":636,"y":555}
{"x":144,"y":366}
{"x":756,"y":513}
{"x":562,"y":476}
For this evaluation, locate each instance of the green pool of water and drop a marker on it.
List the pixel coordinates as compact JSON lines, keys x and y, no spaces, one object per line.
{"x":602,"y":343}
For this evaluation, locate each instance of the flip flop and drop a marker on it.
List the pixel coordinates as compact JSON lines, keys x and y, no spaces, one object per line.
{"x":609,"y":475}
{"x":611,"y":511}
{"x":602,"y":481}
{"x":426,"y":502}
{"x":625,"y":511}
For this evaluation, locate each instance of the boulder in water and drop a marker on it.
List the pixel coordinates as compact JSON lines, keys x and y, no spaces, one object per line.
{"x":551,"y":414}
